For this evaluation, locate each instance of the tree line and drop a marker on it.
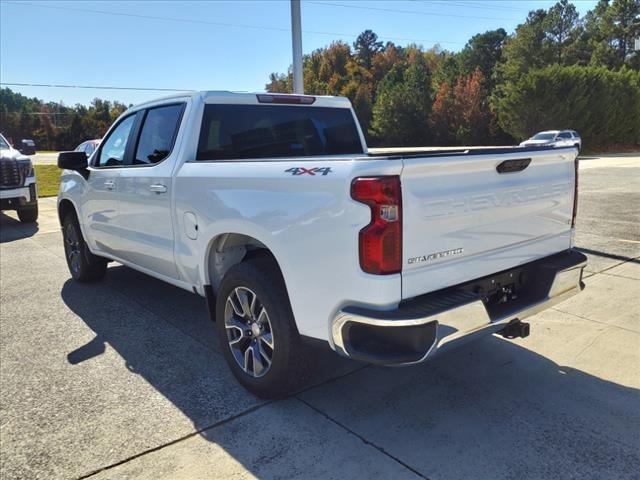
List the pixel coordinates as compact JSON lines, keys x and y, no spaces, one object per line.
{"x":557,"y":70}
{"x":54,"y":126}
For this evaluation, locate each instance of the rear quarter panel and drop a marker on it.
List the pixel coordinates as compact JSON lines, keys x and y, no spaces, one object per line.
{"x":309,"y":222}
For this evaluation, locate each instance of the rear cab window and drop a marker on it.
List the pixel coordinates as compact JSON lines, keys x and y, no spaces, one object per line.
{"x":236,"y":132}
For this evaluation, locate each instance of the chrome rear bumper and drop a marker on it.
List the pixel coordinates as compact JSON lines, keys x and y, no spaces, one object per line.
{"x":423,"y":327}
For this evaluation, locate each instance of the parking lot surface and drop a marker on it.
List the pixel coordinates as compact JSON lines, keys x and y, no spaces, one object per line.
{"x":45,"y":158}
{"x":125,"y":378}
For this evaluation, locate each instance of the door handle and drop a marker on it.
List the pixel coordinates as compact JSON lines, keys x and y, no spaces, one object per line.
{"x":109,"y":185}
{"x":158,"y":188}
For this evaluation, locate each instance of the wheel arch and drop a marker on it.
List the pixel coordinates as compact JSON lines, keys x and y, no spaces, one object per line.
{"x":230,"y":248}
{"x":66,"y":206}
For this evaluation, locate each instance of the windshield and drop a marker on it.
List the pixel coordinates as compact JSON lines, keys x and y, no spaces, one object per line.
{"x":3,"y":143}
{"x":262,"y":131}
{"x":544,"y":136}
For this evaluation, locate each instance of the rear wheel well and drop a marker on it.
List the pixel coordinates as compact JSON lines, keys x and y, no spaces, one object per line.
{"x":229,"y":249}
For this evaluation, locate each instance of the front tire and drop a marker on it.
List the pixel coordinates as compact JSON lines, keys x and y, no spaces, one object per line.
{"x":257,"y":331}
{"x":83,"y":265}
{"x":28,"y":214}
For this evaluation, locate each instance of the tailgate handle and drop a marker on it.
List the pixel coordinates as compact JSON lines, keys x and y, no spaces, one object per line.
{"x":512,"y":166}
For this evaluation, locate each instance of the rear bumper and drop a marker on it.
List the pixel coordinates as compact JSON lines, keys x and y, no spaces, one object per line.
{"x":429,"y":324}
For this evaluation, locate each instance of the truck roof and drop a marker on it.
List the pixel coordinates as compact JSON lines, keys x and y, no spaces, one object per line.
{"x":247,"y":98}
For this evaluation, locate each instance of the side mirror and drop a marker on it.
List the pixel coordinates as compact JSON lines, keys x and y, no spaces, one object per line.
{"x":27,"y":147}
{"x":72,"y":161}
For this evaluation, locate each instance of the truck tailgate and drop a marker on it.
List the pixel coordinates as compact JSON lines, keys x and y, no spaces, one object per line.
{"x":462,"y":219}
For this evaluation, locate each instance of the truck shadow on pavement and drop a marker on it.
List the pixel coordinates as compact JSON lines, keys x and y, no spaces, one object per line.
{"x":12,"y":229}
{"x":491,"y":409}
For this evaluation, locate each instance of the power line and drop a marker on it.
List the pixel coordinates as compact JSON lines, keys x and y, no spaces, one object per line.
{"x":412,"y":12}
{"x":148,"y":17}
{"x":222,"y":24}
{"x":93,"y":87}
{"x":471,"y":4}
{"x":40,"y":113}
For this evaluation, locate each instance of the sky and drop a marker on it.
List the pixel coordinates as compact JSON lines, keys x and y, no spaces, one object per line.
{"x":212,"y":45}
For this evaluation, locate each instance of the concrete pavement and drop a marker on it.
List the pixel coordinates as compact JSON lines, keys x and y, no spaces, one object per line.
{"x":125,"y":379}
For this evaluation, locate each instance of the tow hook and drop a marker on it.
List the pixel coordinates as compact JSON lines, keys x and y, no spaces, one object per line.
{"x":516,"y":329}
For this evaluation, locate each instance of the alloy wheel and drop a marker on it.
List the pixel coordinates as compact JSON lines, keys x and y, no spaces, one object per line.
{"x":72,"y":244}
{"x":249,"y":332}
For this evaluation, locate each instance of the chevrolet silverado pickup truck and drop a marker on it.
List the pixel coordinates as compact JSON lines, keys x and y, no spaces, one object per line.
{"x":271,"y":208}
{"x":18,"y":189}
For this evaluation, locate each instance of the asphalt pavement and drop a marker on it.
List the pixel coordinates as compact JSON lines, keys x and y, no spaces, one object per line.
{"x":125,"y":378}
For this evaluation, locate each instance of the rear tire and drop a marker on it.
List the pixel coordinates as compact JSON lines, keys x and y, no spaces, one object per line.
{"x":28,"y":214}
{"x":83,"y":265}
{"x":257,"y":330}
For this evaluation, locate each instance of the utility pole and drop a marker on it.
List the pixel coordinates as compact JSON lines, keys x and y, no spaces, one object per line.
{"x":296,"y":41}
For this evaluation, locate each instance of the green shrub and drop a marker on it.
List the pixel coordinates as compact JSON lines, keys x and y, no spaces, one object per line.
{"x":602,"y":105}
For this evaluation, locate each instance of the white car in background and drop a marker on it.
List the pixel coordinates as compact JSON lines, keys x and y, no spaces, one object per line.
{"x":554,"y":138}
{"x":89,"y":146}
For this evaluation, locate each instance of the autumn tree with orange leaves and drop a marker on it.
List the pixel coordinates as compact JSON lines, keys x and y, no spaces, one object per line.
{"x":461,"y":113}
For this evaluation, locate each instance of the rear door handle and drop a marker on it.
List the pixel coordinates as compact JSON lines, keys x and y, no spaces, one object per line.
{"x":109,"y":185}
{"x":158,"y":188}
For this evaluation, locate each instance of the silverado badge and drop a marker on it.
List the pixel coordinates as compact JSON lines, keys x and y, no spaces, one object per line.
{"x":435,"y":256}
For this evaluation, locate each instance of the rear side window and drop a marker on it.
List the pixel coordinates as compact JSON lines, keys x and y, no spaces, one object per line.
{"x":158,"y":134}
{"x":260,"y":131}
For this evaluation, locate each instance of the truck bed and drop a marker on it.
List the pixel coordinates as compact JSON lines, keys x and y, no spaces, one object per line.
{"x":394,"y":153}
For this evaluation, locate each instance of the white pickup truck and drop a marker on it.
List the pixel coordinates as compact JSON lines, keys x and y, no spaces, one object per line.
{"x":271,"y":208}
{"x":18,"y":190}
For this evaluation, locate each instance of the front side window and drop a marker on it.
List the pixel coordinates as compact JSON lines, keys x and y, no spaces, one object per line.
{"x":81,"y":147}
{"x":565,"y":135}
{"x":262,"y":131}
{"x":3,"y":143}
{"x":114,"y":146}
{"x":89,"y":148}
{"x":158,"y":134}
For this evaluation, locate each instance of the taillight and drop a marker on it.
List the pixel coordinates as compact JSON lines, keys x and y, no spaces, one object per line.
{"x":575,"y":195}
{"x":381,"y":240}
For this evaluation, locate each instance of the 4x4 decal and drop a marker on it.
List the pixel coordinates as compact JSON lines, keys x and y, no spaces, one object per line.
{"x":296,"y":171}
